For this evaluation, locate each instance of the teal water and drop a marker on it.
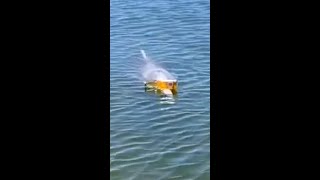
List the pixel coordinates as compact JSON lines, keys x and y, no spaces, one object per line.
{"x":151,"y":139}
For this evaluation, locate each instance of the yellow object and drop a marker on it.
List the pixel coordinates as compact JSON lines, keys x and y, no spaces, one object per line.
{"x":163,"y":85}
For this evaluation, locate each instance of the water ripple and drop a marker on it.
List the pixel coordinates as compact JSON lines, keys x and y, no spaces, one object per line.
{"x":152,"y":137}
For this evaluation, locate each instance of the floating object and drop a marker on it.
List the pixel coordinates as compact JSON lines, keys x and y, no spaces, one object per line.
{"x":158,"y":79}
{"x":167,"y":87}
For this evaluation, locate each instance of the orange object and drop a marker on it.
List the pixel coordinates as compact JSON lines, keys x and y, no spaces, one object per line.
{"x":163,"y":85}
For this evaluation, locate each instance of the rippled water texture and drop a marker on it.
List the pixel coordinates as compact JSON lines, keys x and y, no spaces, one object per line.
{"x":150,"y":139}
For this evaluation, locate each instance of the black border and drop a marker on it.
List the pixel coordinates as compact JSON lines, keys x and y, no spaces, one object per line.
{"x":257,"y":131}
{"x":58,"y":128}
{"x":216,"y":31}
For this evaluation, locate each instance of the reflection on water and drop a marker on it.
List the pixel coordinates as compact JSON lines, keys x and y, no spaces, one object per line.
{"x":163,"y":99}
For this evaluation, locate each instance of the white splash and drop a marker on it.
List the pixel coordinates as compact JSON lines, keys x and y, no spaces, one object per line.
{"x":151,"y":71}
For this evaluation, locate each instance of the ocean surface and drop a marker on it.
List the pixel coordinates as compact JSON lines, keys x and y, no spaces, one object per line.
{"x":152,"y":138}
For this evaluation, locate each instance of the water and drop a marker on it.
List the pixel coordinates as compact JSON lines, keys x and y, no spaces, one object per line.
{"x":150,"y":139}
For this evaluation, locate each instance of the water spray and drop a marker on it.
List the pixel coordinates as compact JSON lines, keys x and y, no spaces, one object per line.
{"x":157,"y":78}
